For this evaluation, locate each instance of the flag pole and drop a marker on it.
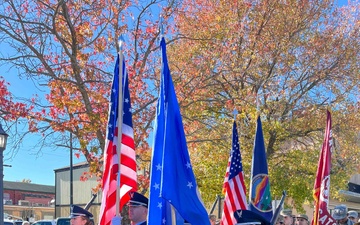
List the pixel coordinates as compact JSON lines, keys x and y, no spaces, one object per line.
{"x":120,"y":121}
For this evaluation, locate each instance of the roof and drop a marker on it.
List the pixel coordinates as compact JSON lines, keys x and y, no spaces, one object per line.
{"x":22,"y":186}
{"x":75,"y":166}
{"x":350,"y":196}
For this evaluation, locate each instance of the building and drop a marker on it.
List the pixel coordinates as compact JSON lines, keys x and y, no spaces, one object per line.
{"x":29,"y":201}
{"x":80,"y":194}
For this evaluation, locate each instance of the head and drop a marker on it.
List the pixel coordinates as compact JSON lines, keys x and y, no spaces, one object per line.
{"x":302,"y":219}
{"x":288,"y":217}
{"x":353,"y":216}
{"x":138,"y":207}
{"x":280,"y":220}
{"x":340,"y":214}
{"x":25,"y":223}
{"x":212,"y":219}
{"x":80,"y":216}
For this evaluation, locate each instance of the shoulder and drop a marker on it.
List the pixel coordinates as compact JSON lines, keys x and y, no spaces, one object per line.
{"x":143,"y":223}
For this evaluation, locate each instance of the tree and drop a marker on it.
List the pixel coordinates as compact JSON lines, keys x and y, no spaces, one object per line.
{"x":288,"y":61}
{"x":68,"y":48}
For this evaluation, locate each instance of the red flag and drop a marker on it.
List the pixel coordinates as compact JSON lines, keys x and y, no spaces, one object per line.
{"x":322,"y":181}
{"x":235,"y":196}
{"x":128,"y":178}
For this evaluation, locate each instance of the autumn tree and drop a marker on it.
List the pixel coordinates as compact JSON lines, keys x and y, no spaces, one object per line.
{"x":287,"y":61}
{"x":68,"y":49}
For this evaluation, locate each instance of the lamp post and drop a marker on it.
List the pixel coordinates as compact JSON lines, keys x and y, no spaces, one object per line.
{"x":3,"y":139}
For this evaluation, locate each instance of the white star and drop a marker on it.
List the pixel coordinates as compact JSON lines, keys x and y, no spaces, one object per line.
{"x":126,"y":100}
{"x":190,"y":185}
{"x":188,"y":165}
{"x":164,"y":221}
{"x":114,"y":90}
{"x":156,"y":186}
{"x":158,"y":167}
{"x":159,"y":205}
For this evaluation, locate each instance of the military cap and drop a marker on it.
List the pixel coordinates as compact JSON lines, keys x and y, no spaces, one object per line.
{"x":286,"y":212}
{"x":78,"y":211}
{"x":353,"y":213}
{"x":340,"y":212}
{"x":137,"y":199}
{"x":247,"y":216}
{"x":302,"y":216}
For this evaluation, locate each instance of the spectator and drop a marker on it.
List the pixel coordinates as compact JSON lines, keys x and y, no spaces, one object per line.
{"x":288,"y":217}
{"x":353,"y":216}
{"x":340,"y":214}
{"x":138,"y":209}
{"x":280,"y":220}
{"x":302,"y":219}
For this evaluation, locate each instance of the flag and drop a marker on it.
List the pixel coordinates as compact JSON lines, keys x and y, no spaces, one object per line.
{"x":235,"y":197}
{"x":322,"y":181}
{"x":159,"y":209}
{"x":178,"y":184}
{"x":259,"y":196}
{"x":117,"y":120}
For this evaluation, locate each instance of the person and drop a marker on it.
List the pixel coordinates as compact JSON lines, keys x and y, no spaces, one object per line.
{"x":302,"y":219}
{"x":80,"y":216}
{"x":138,"y":208}
{"x":212,"y":219}
{"x":340,"y":215}
{"x":353,"y":216}
{"x":280,"y":220}
{"x":288,"y":217}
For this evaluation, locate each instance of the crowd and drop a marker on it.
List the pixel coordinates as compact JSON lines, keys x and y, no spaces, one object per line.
{"x":138,"y":209}
{"x":340,"y":214}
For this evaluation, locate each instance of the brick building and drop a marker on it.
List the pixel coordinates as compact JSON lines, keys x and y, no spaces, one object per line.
{"x":29,"y":201}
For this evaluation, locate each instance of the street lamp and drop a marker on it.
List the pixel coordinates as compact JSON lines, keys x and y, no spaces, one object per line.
{"x":3,"y":139}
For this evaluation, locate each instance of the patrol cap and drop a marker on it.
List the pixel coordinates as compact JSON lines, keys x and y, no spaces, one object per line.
{"x":137,"y":199}
{"x":286,"y":212}
{"x":302,"y":216}
{"x":78,"y":211}
{"x":353,"y":213}
{"x":249,"y":217}
{"x":340,"y":212}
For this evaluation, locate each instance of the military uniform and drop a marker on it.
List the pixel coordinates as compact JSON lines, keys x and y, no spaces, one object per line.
{"x":138,"y":200}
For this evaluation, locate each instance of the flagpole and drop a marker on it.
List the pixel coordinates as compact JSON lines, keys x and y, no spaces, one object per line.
{"x":120,"y":121}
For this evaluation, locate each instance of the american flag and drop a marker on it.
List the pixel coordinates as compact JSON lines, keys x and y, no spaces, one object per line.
{"x":128,"y":178}
{"x":234,"y":185}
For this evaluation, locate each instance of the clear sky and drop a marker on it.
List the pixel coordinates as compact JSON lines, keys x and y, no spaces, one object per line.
{"x":26,"y":163}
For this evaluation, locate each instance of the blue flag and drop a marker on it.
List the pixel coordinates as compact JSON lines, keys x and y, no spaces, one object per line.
{"x":159,"y":208}
{"x":178,"y":184}
{"x":260,"y":197}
